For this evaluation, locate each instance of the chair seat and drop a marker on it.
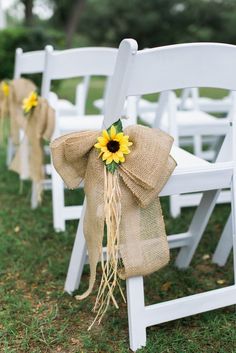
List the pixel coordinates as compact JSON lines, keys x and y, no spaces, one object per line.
{"x":186,"y":159}
{"x":194,"y":174}
{"x":191,"y":123}
{"x":215,"y":105}
{"x":65,"y":107}
{"x":80,"y":123}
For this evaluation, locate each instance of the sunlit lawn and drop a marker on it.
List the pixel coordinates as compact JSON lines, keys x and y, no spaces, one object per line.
{"x":36,"y":316}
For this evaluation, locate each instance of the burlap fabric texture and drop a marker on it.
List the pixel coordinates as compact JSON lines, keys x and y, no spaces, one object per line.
{"x":19,"y":89}
{"x":143,"y":245}
{"x":37,"y":125}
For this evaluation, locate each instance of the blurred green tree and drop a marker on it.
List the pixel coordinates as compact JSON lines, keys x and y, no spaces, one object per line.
{"x":67,"y":14}
{"x":159,"y":22}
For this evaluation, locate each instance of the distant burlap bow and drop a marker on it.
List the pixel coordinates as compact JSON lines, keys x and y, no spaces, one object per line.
{"x":4,"y":110}
{"x":19,"y":89}
{"x":37,"y":125}
{"x":143,"y":245}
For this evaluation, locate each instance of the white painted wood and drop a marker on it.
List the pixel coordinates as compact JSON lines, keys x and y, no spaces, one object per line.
{"x":136,"y":307}
{"x":190,"y":200}
{"x":225,"y":244}
{"x":58,"y":202}
{"x":77,"y":259}
{"x":119,"y":82}
{"x":159,"y":69}
{"x":197,"y":227}
{"x":10,"y":151}
{"x":190,"y":305}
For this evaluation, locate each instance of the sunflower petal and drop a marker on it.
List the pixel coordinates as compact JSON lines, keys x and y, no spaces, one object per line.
{"x":119,"y":154}
{"x":97,"y":145}
{"x":116,"y":158}
{"x":106,"y":135}
{"x":102,"y":140}
{"x":119,"y":136}
{"x":113,"y":132}
{"x":106,"y":155}
{"x":109,"y":160}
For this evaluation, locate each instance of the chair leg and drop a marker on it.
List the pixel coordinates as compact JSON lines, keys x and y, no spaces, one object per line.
{"x":175,"y":209}
{"x":136,"y":308}
{"x":58,"y":202}
{"x":197,"y":227}
{"x":197,"y":145}
{"x":234,"y":224}
{"x":10,"y":151}
{"x":34,"y":196}
{"x":225,"y":244}
{"x":77,"y":259}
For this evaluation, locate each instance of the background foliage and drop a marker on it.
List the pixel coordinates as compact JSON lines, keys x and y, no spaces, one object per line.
{"x":106,"y":22}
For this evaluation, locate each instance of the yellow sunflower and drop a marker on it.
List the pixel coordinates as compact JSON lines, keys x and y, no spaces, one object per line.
{"x":113,"y":146}
{"x":5,"y":88}
{"x":30,"y":102}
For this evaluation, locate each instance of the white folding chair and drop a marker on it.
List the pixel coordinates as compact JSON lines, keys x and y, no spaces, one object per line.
{"x":157,"y":70}
{"x":206,"y":104}
{"x":33,"y":62}
{"x":81,"y":62}
{"x":25,"y":63}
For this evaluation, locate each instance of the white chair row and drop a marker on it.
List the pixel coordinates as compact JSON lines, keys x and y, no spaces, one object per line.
{"x":60,"y":65}
{"x":30,"y":63}
{"x":164,"y":69}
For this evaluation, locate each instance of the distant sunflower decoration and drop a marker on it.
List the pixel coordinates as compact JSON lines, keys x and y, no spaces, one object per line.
{"x":4,"y":105}
{"x":113,"y":146}
{"x":5,"y":88}
{"x":30,"y":102}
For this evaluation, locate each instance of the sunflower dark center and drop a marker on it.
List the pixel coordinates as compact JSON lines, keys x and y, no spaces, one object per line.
{"x":113,"y":146}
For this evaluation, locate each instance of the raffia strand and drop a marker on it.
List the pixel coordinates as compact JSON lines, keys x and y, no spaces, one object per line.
{"x":110,"y":279}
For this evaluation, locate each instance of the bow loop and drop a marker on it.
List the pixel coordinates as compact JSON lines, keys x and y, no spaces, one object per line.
{"x":149,"y":165}
{"x":70,"y":155}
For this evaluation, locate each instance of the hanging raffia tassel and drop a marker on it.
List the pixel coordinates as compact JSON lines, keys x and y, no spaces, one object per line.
{"x":110,"y":279}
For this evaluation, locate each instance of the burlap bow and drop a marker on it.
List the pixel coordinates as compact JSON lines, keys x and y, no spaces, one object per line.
{"x":38,"y":125}
{"x":19,"y":89}
{"x":143,"y":244}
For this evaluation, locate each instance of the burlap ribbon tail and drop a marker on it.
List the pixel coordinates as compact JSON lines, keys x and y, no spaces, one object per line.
{"x":28,"y":161}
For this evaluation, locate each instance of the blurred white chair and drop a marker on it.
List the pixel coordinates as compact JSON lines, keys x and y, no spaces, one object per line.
{"x":81,"y":62}
{"x":185,"y":124}
{"x":191,"y":125}
{"x":157,"y":70}
{"x":33,"y":62}
{"x":206,"y":104}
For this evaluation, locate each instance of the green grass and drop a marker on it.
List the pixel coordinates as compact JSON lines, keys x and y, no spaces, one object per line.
{"x":36,"y":316}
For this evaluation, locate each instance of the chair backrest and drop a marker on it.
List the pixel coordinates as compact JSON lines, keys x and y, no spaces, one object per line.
{"x":168,"y":68}
{"x":31,"y":62}
{"x":78,"y":62}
